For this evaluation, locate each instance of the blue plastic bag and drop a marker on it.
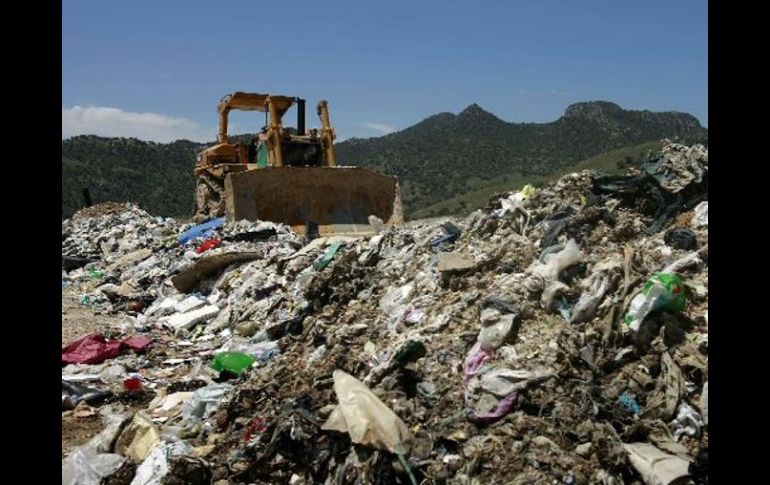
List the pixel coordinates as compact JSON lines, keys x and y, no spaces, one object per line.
{"x":204,"y":230}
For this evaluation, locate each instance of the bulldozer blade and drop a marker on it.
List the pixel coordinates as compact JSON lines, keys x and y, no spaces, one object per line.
{"x":335,"y":200}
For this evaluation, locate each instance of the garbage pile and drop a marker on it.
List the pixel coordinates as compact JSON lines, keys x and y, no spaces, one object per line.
{"x":559,"y":335}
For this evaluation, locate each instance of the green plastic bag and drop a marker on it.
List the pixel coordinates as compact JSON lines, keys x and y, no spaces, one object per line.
{"x":328,"y":257}
{"x":664,"y":291}
{"x":235,"y":362}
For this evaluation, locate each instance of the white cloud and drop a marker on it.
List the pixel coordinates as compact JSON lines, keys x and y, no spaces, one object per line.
{"x":380,"y":128}
{"x":105,"y":121}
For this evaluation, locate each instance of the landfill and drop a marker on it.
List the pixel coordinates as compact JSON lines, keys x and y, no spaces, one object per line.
{"x":560,"y":335}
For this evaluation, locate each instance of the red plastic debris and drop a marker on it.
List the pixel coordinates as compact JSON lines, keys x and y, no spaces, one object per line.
{"x":91,"y":349}
{"x":95,"y":349}
{"x":138,"y":343}
{"x":133,"y":384}
{"x":257,"y":426}
{"x":210,"y":244}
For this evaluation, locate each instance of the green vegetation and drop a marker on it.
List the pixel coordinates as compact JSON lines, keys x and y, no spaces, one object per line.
{"x":157,"y":176}
{"x":465,"y":156}
{"x":446,"y":164}
{"x":611,"y":162}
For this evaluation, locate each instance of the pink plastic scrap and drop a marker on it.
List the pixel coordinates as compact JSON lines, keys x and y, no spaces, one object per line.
{"x":473,"y":364}
{"x":503,"y":407}
{"x":94,"y":349}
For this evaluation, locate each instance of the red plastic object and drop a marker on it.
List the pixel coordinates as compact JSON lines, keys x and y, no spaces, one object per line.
{"x":95,"y":349}
{"x":210,"y":244}
{"x":91,"y":349}
{"x":133,"y":384}
{"x":138,"y":343}
{"x":256,"y":426}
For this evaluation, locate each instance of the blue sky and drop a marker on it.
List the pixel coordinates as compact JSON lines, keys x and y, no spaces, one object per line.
{"x":156,"y":69}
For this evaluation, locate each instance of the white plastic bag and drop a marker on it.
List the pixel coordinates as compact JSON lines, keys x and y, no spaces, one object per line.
{"x":155,"y":466}
{"x":365,"y":418}
{"x":701,"y":216}
{"x":501,"y":381}
{"x":491,"y":337}
{"x":655,"y":466}
{"x":555,"y":263}
{"x":86,"y":467}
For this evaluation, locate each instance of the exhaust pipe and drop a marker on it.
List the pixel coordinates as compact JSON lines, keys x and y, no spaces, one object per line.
{"x":300,"y":117}
{"x":87,"y":198}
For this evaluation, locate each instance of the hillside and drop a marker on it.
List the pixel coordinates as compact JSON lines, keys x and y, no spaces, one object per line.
{"x":447,"y":163}
{"x":612,"y":162}
{"x":158,"y":176}
{"x":448,"y":155}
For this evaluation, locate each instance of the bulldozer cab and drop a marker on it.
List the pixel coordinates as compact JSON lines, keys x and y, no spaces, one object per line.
{"x":279,"y":145}
{"x":289,"y":175}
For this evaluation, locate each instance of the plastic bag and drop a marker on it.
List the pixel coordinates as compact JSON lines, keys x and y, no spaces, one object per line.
{"x":201,"y":230}
{"x":91,"y":462}
{"x":516,"y":200}
{"x":85,"y":467}
{"x":365,"y":418}
{"x":688,"y":422}
{"x":502,"y":382}
{"x":586,"y":306}
{"x":156,"y":466}
{"x":664,"y":291}
{"x":328,"y":256}
{"x":493,"y":336}
{"x":204,"y":402}
{"x":235,"y":362}
{"x":655,"y":466}
{"x":555,"y":263}
{"x":701,"y":217}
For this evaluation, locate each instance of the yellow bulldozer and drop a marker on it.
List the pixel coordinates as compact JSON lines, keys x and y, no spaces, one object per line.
{"x":290,"y":175}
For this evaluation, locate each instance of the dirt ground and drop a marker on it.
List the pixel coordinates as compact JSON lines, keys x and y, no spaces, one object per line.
{"x":78,"y":320}
{"x":76,"y":431}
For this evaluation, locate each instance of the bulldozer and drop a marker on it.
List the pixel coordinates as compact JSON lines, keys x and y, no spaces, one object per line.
{"x":290,"y":175}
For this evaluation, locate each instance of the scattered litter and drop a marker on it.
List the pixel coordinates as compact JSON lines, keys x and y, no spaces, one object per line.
{"x":664,"y":291}
{"x":701,"y":217}
{"x":93,"y":349}
{"x":655,"y":466}
{"x":688,"y":422}
{"x":476,"y":349}
{"x":680,"y":238}
{"x":234,"y":362}
{"x":201,"y":230}
{"x":210,"y":244}
{"x":630,"y":403}
{"x":328,"y":257}
{"x":365,"y":418}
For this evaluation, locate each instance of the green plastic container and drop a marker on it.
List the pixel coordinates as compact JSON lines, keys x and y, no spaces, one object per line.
{"x":234,"y":362}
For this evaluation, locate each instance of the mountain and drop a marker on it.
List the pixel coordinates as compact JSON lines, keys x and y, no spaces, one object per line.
{"x":447,"y":162}
{"x":447,"y":155}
